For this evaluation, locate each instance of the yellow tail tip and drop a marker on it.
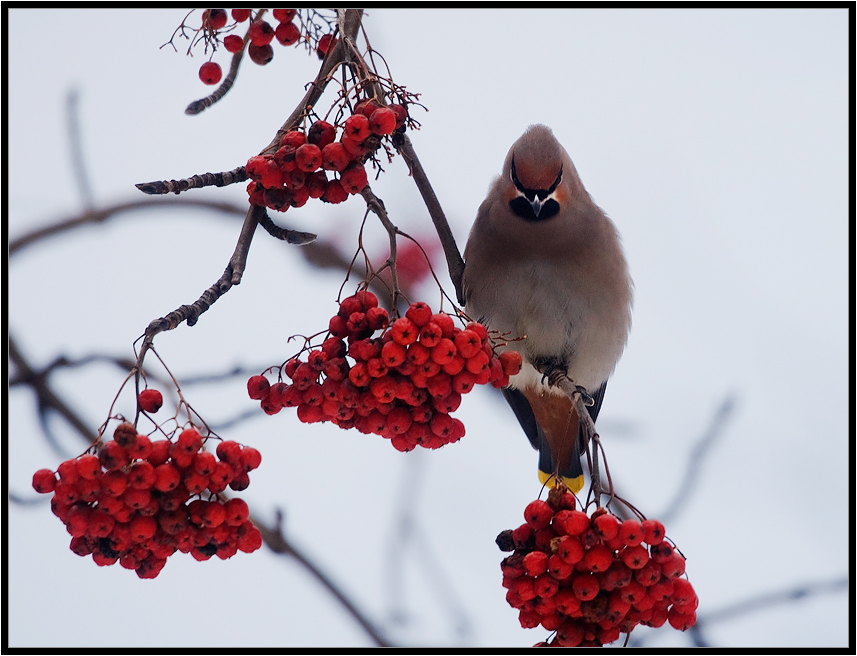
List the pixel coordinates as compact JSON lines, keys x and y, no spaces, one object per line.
{"x":574,"y":485}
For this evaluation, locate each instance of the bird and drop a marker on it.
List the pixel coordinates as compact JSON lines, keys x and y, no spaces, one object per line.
{"x":544,"y":268}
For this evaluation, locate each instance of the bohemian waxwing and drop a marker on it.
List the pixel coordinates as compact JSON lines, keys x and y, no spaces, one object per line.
{"x":544,"y":264}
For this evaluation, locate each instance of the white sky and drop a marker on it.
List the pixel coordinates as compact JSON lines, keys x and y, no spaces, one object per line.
{"x":717,"y":140}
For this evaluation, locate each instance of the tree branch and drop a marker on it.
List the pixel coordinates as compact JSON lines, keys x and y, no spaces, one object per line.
{"x":453,"y":256}
{"x":277,"y":542}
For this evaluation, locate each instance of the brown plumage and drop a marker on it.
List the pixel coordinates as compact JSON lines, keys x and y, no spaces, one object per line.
{"x":544,"y":265}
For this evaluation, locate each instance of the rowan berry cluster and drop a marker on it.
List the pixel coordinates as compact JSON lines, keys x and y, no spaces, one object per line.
{"x":137,"y":501}
{"x":297,"y":171}
{"x":260,"y":35}
{"x":403,"y":384}
{"x":592,"y":578}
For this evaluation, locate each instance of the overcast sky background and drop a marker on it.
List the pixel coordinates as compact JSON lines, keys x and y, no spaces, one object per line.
{"x":717,"y":140}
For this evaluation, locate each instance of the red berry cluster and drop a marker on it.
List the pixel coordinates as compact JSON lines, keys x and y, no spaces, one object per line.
{"x":592,"y":578}
{"x":260,"y":35}
{"x":402,"y":384}
{"x":298,"y":170}
{"x":138,"y":501}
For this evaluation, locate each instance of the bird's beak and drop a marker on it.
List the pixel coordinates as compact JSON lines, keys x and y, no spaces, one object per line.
{"x":537,"y":204}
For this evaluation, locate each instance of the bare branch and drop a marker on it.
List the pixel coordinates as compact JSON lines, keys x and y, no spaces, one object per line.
{"x":222,"y":179}
{"x":75,"y":146}
{"x":277,"y":542}
{"x":99,"y":216}
{"x":447,"y":240}
{"x":697,"y":456}
{"x":198,"y":106}
{"x":285,"y":234}
{"x":231,"y":276}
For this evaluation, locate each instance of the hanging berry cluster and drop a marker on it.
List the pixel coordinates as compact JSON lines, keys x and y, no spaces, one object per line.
{"x":297,"y":171}
{"x":137,"y":501}
{"x":592,"y":578}
{"x":313,"y":29}
{"x":402,"y":384}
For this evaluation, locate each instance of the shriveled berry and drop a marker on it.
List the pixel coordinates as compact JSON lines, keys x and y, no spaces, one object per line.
{"x":260,"y":55}
{"x":308,"y":157}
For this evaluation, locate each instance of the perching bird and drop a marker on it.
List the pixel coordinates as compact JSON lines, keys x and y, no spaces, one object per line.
{"x":544,"y":264}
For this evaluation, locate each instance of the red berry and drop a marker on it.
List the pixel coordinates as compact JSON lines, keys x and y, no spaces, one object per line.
{"x":535,"y":563}
{"x":233,"y":43}
{"x":45,"y":481}
{"x":210,"y":73}
{"x":334,"y":157}
{"x":366,"y":107}
{"x":151,"y":400}
{"x":240,"y":15}
{"x":284,"y":15}
{"x":260,"y":33}
{"x":167,"y":477}
{"x":538,"y":514}
{"x":401,"y":114}
{"x":420,"y":313}
{"x":635,"y":557}
{"x":598,"y":558}
{"x":88,"y":466}
{"x":334,"y":193}
{"x":356,"y":127}
{"x":257,"y":387}
{"x":143,"y":528}
{"x":606,"y":525}
{"x":250,"y":458}
{"x":214,"y":19}
{"x":308,"y":157}
{"x":354,"y":178}
{"x":316,"y":183}
{"x":260,"y":55}
{"x":585,"y":586}
{"x":111,"y":456}
{"x":631,"y":532}
{"x":654,"y":532}
{"x":511,"y":362}
{"x":576,"y":523}
{"x":382,"y":121}
{"x":325,"y":43}
{"x":287,"y":33}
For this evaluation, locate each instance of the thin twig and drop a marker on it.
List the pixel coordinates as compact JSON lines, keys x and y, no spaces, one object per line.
{"x":231,"y":277}
{"x":99,"y":216}
{"x":75,"y":146}
{"x":198,"y":106}
{"x":695,"y":461}
{"x":45,"y":396}
{"x":277,"y":542}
